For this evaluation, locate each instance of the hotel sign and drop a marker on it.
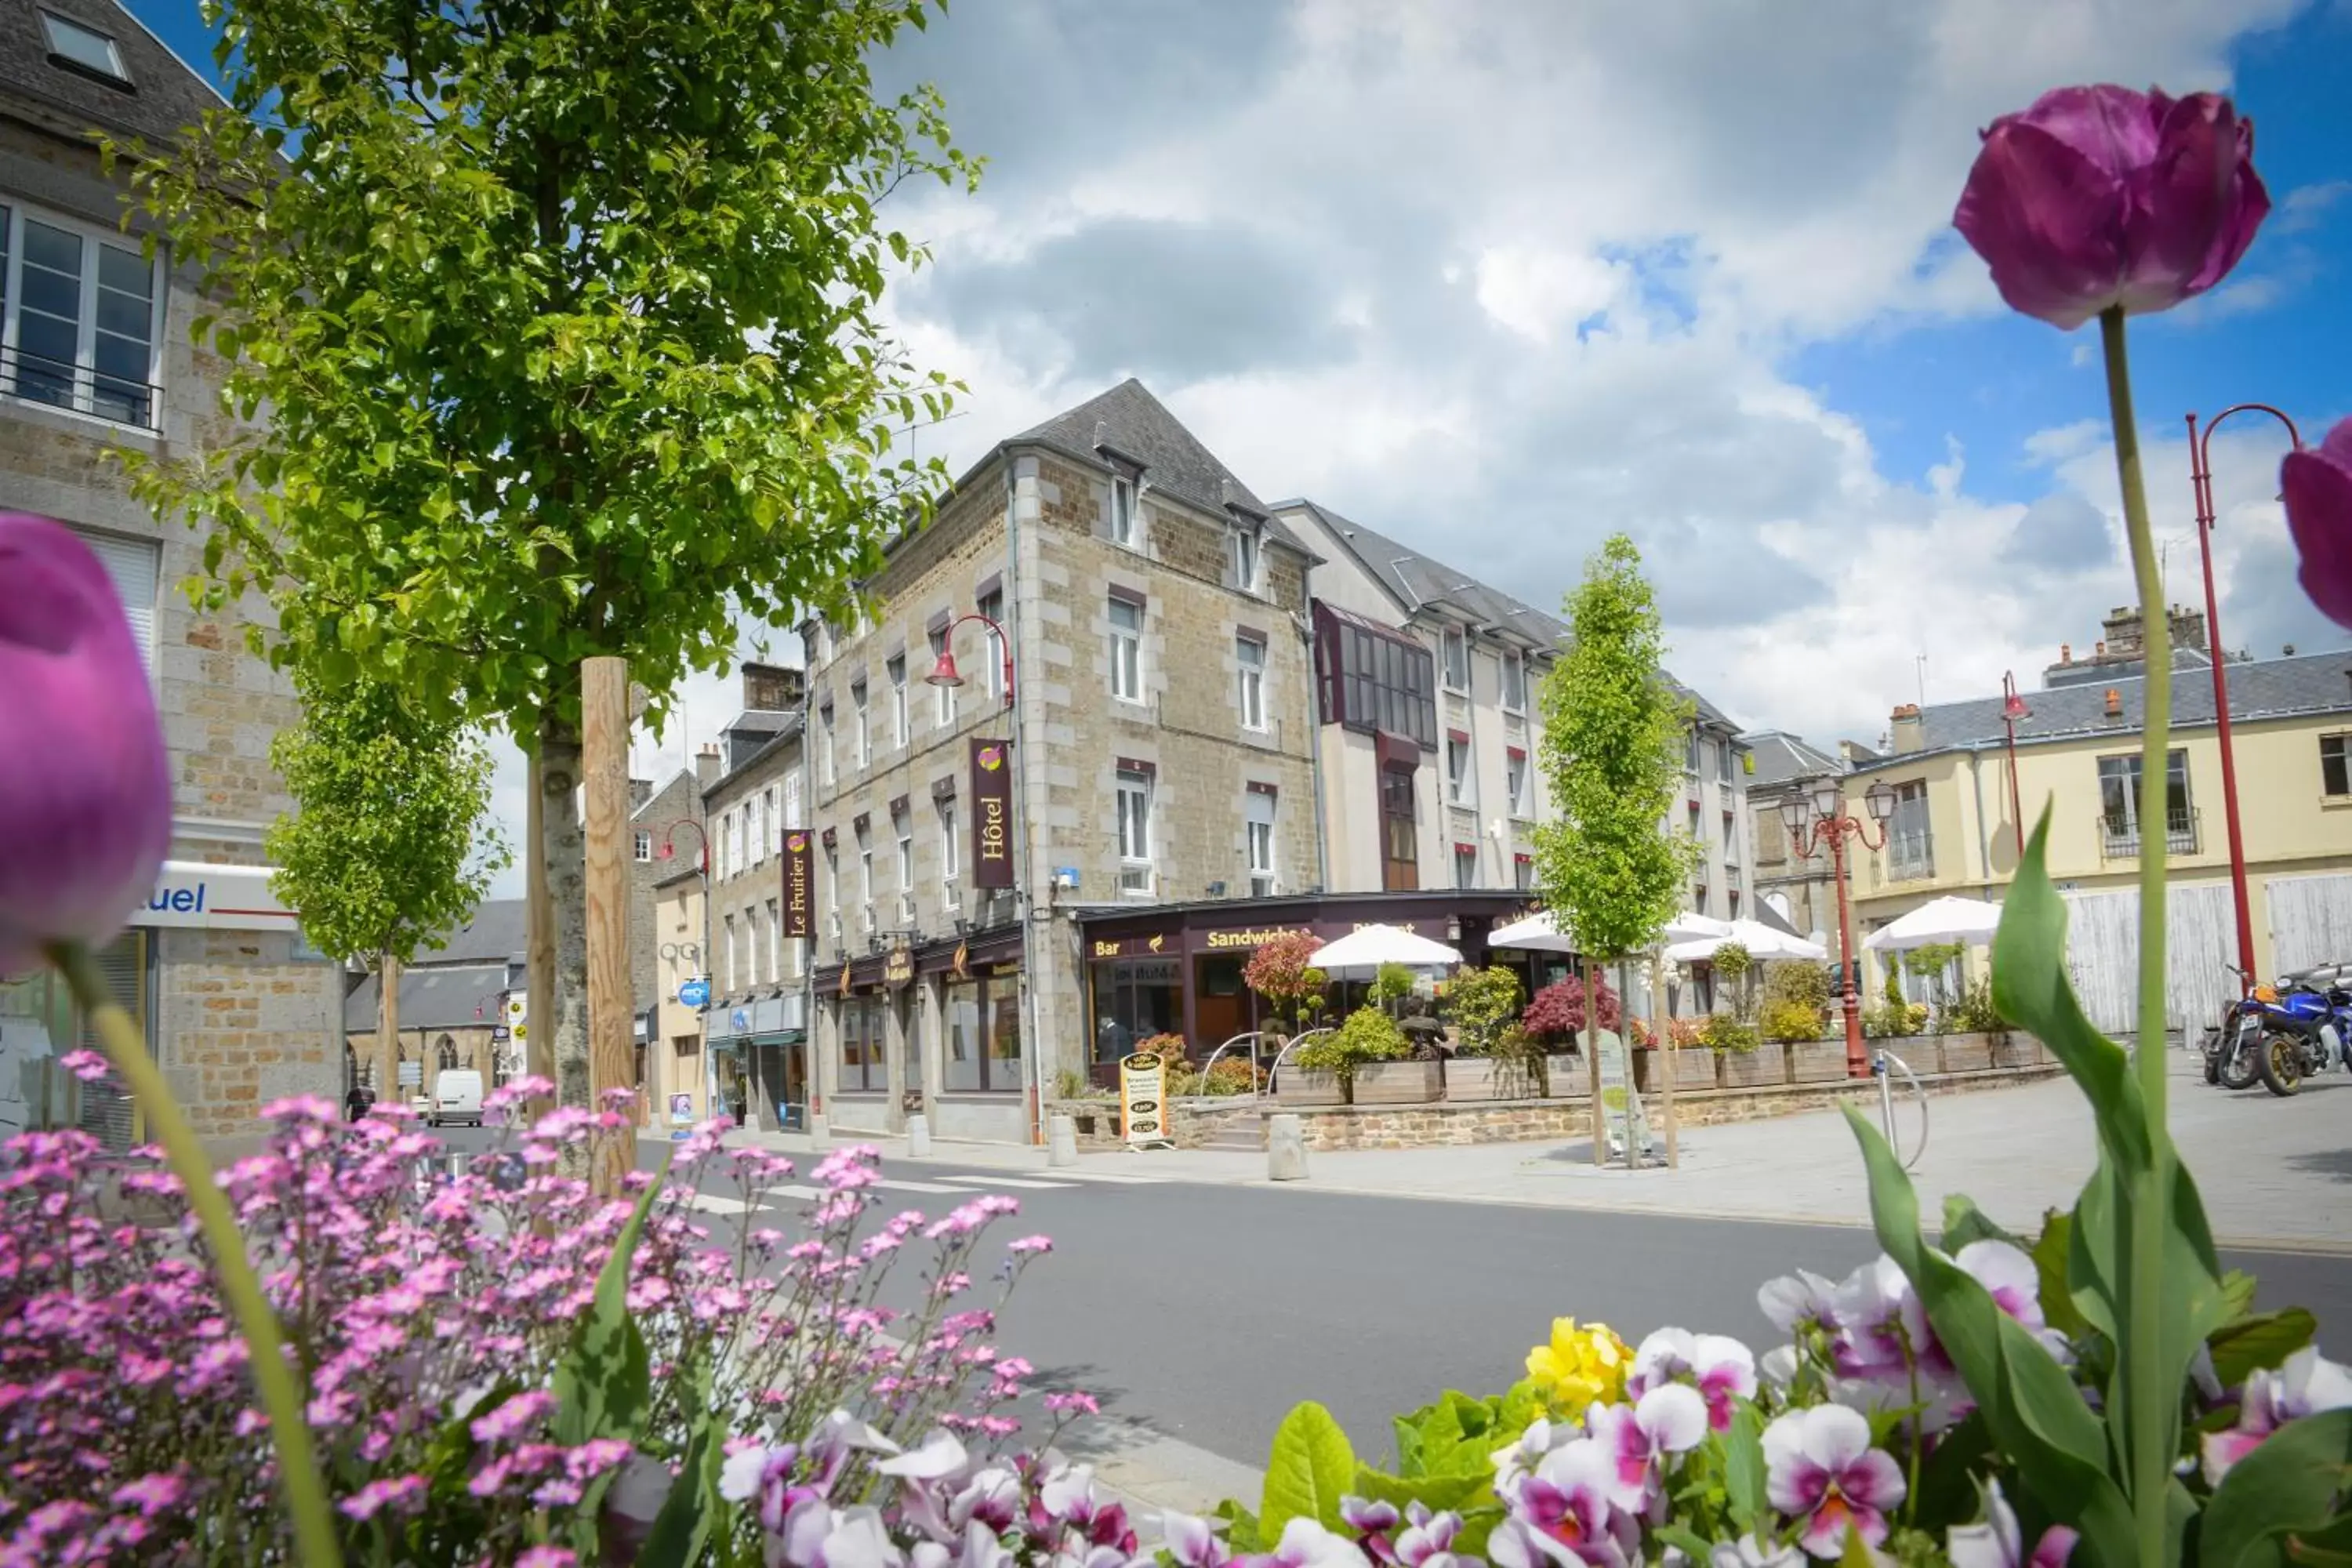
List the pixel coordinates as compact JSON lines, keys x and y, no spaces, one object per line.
{"x":800,"y":874}
{"x":992,"y":813}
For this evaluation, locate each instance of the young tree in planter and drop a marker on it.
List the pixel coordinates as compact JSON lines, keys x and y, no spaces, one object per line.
{"x":1279,"y":972}
{"x":564,"y":321}
{"x":390,"y":845}
{"x":1606,"y":863}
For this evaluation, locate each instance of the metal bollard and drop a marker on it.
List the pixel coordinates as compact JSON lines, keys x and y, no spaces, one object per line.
{"x":1285,"y":1149}
{"x":456,"y":1163}
{"x":918,"y":1137}
{"x":1062,"y":1140}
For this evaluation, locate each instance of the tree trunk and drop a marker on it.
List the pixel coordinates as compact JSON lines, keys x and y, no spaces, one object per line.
{"x":539,"y":981}
{"x":604,"y":740}
{"x":1635,"y":1119}
{"x":560,"y":1017}
{"x":1592,"y":1061}
{"x":1661,"y":1026}
{"x":387,"y":1026}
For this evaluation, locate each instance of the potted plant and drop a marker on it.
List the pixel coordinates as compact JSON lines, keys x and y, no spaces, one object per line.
{"x":1554,"y":1020}
{"x":1484,"y":1006}
{"x":1975,"y":1038}
{"x":1290,"y":987}
{"x":1364,"y":1059}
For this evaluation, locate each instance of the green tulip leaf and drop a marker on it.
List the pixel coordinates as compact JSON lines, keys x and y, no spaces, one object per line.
{"x":1242,"y":1531}
{"x":2049,"y":1252}
{"x":2030,"y":1404}
{"x":1965,"y":1222}
{"x":1436,"y":1493}
{"x":2259,"y":1343}
{"x":2289,"y":1487}
{"x":1743,"y":1467}
{"x":604,"y":1385}
{"x":1310,"y":1468}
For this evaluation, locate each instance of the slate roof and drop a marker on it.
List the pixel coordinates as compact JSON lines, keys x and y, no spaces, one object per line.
{"x":1129,"y":421}
{"x":2259,"y":688}
{"x":1417,"y":580}
{"x":1781,"y":757}
{"x":164,"y":94}
{"x":452,"y":996}
{"x":500,"y":931}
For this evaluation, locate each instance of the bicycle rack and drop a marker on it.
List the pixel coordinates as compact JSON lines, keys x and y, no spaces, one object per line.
{"x":1254,"y":1036}
{"x":1881,"y":1062}
{"x":1295,"y":1042}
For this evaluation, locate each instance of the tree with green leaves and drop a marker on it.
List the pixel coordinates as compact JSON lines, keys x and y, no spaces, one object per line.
{"x":1606,"y":863}
{"x":391,"y":844}
{"x":562,"y":327}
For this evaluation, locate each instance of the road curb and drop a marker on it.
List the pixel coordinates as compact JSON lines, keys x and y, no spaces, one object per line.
{"x":1153,"y":1473}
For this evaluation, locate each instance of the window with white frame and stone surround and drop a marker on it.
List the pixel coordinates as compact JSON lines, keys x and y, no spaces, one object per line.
{"x":80,"y":316}
{"x":1126,"y":650}
{"x":1134,"y":820}
{"x":1249,"y":654}
{"x":1257,"y":829}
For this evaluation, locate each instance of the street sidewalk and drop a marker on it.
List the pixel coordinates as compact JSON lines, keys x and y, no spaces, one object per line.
{"x":2272,"y":1172}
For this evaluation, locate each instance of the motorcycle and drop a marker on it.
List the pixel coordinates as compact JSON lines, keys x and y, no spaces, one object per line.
{"x":2296,"y":1022}
{"x":2231,"y":1045}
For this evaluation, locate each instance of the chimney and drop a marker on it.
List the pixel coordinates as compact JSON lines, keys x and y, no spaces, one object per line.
{"x":1909,"y":731}
{"x":2115,"y":703}
{"x":706,"y":766}
{"x":2123,"y":628}
{"x":2188,"y":628}
{"x":772,"y":688}
{"x":2099,"y":649}
{"x":640,"y":792}
{"x":2065,"y":653}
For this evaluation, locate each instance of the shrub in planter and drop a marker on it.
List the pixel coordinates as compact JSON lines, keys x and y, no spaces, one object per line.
{"x":1484,"y":1004}
{"x":1279,"y":972}
{"x":1723,"y":1032}
{"x":1368,"y":1035}
{"x":1555,"y":1014}
{"x":1790,"y":1021}
{"x":1795,"y":980}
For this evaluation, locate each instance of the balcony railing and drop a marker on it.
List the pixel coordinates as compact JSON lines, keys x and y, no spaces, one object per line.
{"x":2119,"y":834}
{"x":38,"y":379}
{"x":1910,"y":857}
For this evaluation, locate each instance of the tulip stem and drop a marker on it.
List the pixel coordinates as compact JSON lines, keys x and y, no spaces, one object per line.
{"x":2149,"y":1408}
{"x":281,"y":1401}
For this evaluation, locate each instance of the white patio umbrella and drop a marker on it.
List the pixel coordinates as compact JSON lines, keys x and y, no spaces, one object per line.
{"x":1760,"y":940}
{"x":1970,"y":921}
{"x":1366,"y":950}
{"x":1539,"y":932}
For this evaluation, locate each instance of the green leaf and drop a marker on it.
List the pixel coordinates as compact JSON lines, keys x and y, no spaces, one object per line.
{"x":1309,"y":1468}
{"x":2260,"y":1343}
{"x":1408,"y":1442}
{"x":1743,"y":1466}
{"x":603,"y":1385}
{"x":1965,"y":1222}
{"x":1689,"y":1542}
{"x":2030,"y":1404}
{"x":2288,"y":1487}
{"x":1857,"y":1551}
{"x":1435,"y":1493}
{"x":2048,"y":1253}
{"x":682,"y":1529}
{"x":1242,"y":1531}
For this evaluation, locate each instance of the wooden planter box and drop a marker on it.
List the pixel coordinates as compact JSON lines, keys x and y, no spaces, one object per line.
{"x":1566,"y":1076}
{"x":2014,"y":1050}
{"x":1766,"y":1066}
{"x":1473,"y":1078}
{"x":1399,"y":1083}
{"x":1303,"y":1086}
{"x":1922,"y":1054}
{"x":1967,"y":1053}
{"x":1817,"y":1062}
{"x":1695,"y":1067}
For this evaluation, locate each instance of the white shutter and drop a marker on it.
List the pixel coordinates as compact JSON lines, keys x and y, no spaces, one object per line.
{"x":132,"y":565}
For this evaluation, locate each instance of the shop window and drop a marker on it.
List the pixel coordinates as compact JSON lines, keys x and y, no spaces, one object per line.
{"x":1134,"y":999}
{"x":1400,"y":832}
{"x":984,"y":1035}
{"x":864,"y":1069}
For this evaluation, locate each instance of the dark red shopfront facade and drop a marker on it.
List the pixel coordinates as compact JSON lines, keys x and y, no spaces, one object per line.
{"x":1176,"y":968}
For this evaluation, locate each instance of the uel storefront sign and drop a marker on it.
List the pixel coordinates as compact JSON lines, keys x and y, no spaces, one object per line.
{"x":992,"y":813}
{"x":223,"y":898}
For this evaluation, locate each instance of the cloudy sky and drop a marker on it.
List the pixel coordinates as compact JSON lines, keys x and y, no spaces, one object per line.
{"x":1502,"y":277}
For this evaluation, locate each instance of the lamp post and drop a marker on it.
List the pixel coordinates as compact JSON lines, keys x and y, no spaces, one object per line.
{"x":943,"y":673}
{"x":702,"y":950}
{"x":1820,"y":801}
{"x":2201,"y":484}
{"x":2012,"y":709}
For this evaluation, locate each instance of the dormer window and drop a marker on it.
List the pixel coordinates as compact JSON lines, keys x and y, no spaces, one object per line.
{"x":83,"y":49}
{"x":1245,"y":557}
{"x":1122,"y":511}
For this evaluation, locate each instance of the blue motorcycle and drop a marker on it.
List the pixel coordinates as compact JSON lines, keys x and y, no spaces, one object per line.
{"x":2295,"y":1023}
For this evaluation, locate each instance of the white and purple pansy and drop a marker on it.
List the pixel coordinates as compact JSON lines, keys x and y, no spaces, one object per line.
{"x":1997,"y":1541}
{"x":2305,"y":1385}
{"x":1638,"y":1438}
{"x":1721,"y":1368}
{"x":1821,"y":1471}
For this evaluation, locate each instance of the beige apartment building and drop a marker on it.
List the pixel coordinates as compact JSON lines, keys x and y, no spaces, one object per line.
{"x":1148,"y":742}
{"x":678,"y":1061}
{"x":756,"y":1018}
{"x":95,"y":355}
{"x":1954,"y":830}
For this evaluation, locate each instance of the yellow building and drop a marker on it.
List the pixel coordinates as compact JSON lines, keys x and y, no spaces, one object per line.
{"x":1955,"y":830}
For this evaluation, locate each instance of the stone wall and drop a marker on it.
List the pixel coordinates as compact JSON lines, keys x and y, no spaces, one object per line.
{"x":240,"y":1023}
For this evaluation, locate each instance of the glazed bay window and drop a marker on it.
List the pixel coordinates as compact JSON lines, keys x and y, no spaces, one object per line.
{"x":2335,"y":773}
{"x":1126,"y":650}
{"x":1461,"y":774}
{"x":79,"y":317}
{"x":1457,"y":659}
{"x":1373,"y":678}
{"x":983,"y":1018}
{"x":1515,"y":681}
{"x":1257,"y":835}
{"x":1249,"y":653}
{"x":1134,"y":820}
{"x":2120,"y":828}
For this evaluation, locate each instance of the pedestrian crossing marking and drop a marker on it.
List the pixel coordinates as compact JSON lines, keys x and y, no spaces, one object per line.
{"x":969,"y":1182}
{"x":790,"y":1192}
{"x":899,"y":1185}
{"x":716,"y":1203}
{"x":1109,"y":1178}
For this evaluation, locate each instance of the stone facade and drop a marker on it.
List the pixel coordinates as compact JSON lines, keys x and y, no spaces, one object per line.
{"x":1031,"y":532}
{"x":234,"y":1016}
{"x":677,"y":800}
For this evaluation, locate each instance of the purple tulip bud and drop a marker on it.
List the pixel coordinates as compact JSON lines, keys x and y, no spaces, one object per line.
{"x":2099,"y":196}
{"x":2316,"y":482}
{"x":85,"y":788}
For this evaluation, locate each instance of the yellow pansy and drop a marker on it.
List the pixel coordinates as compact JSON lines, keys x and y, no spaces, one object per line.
{"x":1579,"y":1366}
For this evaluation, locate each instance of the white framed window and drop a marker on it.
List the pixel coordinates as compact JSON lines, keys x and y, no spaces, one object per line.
{"x":775,"y":939}
{"x":1257,"y":839}
{"x":751,"y":945}
{"x":992,"y":605}
{"x":755,"y":828}
{"x":1250,"y":654}
{"x":833,"y":893}
{"x":719,"y":865}
{"x":899,"y":718}
{"x":825,"y":746}
{"x":729,"y":922}
{"x":84,"y":47}
{"x":81,"y":317}
{"x":1691,"y":754}
{"x":951,"y":850}
{"x":862,"y":742}
{"x":1726,"y":759}
{"x":1134,"y":833}
{"x":1245,"y":560}
{"x":1457,"y":659}
{"x":642,"y":847}
{"x":775,"y":822}
{"x":866,"y":881}
{"x":792,"y":804}
{"x":1461,"y":777}
{"x":1515,"y":681}
{"x":1523,"y":872}
{"x":135,"y":568}
{"x":943,"y":698}
{"x":1122,"y":511}
{"x":739,"y":854}
{"x":1126,"y":650}
{"x":1515,"y":779}
{"x":1465,"y":864}
{"x":902,"y":827}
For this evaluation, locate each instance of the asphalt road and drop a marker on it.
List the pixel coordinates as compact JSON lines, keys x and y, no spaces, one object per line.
{"x":1203,"y":1313}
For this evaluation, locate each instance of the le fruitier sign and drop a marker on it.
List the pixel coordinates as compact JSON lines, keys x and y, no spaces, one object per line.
{"x":992,"y":813}
{"x":800,"y":873}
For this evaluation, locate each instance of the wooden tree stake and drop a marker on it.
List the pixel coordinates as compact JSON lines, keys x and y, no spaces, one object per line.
{"x":604,"y":758}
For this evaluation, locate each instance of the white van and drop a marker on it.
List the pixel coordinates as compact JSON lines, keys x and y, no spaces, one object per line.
{"x":457,"y":1097}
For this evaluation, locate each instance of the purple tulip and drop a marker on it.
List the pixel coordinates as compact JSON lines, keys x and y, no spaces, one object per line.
{"x":2100,"y":196}
{"x":2316,"y":482}
{"x":85,"y":788}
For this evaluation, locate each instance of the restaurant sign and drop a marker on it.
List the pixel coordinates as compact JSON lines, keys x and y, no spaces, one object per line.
{"x":899,"y":967}
{"x":1142,"y":1097}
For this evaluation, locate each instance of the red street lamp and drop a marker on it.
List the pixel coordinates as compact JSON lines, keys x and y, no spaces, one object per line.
{"x":943,"y":673}
{"x":2012,"y":709}
{"x":2201,"y":484}
{"x":1821,"y":802}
